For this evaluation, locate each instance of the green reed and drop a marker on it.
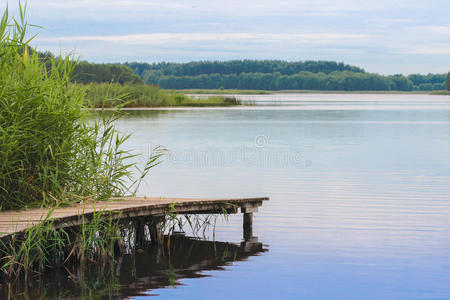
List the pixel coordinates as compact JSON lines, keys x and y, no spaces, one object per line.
{"x":45,"y":245}
{"x":141,"y":95}
{"x":51,"y":153}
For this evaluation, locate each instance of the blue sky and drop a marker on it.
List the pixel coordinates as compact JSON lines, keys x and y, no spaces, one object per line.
{"x":383,"y":36}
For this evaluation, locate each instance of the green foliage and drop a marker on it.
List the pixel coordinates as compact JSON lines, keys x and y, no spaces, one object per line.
{"x":50,"y":151}
{"x":279,"y":75}
{"x":238,"y":67}
{"x":89,"y":72}
{"x":223,"y":92}
{"x":429,"y":82}
{"x":212,"y":101}
{"x":85,"y":72}
{"x":346,"y":81}
{"x":141,"y":95}
{"x":447,"y":82}
{"x":43,"y":246}
{"x":129,"y":95}
{"x":263,"y":75}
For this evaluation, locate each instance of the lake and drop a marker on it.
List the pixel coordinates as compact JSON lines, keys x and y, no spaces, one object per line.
{"x":359,"y":188}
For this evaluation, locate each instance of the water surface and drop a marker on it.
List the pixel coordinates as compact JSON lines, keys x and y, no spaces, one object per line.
{"x":358,"y":184}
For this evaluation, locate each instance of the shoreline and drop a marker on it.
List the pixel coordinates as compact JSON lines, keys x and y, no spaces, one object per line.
{"x":267,"y":92}
{"x":291,"y":104}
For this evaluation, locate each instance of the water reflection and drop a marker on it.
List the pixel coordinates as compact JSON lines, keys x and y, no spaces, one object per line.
{"x":142,"y":272}
{"x":367,"y":218}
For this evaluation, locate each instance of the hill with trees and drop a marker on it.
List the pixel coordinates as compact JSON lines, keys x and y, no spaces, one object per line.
{"x":250,"y":75}
{"x":241,"y":66}
{"x":86,"y":72}
{"x":279,"y":75}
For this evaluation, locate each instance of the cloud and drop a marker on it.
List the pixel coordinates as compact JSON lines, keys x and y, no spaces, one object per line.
{"x":441,"y":30}
{"x":430,"y":50}
{"x":384,"y":36}
{"x":162,"y":38}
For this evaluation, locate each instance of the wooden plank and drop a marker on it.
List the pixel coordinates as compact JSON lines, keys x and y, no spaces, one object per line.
{"x":19,"y":221}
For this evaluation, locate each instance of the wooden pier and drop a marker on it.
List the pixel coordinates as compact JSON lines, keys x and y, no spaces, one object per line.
{"x":12,"y":222}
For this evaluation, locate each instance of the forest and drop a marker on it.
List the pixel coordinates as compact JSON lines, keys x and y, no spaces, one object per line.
{"x":270,"y":75}
{"x":86,"y":72}
{"x":279,"y":75}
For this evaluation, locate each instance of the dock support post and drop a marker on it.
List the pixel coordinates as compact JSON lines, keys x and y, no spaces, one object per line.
{"x":248,"y":226}
{"x":155,"y":229}
{"x":139,"y":232}
{"x":248,"y":221}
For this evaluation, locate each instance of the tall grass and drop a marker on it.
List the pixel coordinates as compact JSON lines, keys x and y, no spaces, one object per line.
{"x":43,"y":245}
{"x":130,"y":95}
{"x":141,"y":95}
{"x":50,"y":152}
{"x":223,"y":92}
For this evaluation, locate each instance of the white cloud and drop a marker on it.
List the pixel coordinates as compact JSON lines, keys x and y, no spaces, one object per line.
{"x":162,"y":38}
{"x":441,"y":30}
{"x":430,"y":50}
{"x":392,"y":36}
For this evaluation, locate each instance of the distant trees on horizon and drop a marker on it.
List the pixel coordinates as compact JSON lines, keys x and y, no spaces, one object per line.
{"x":447,"y":82}
{"x":86,"y":72}
{"x":279,"y":75}
{"x":253,"y":74}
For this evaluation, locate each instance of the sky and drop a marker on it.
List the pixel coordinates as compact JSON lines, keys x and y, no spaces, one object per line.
{"x":382,"y":36}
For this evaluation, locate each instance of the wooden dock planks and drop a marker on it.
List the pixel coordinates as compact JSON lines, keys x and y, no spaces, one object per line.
{"x":18,"y":221}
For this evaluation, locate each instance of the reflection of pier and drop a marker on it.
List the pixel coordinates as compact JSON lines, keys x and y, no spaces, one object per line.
{"x":152,"y":267}
{"x":159,"y":267}
{"x":146,"y":259}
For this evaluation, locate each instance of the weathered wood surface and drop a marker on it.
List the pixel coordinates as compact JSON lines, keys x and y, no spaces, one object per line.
{"x":18,"y":221}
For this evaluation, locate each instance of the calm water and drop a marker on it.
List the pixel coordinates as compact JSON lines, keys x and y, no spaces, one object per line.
{"x":359,"y":189}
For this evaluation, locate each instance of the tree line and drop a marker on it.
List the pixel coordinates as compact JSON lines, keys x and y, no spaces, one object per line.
{"x":428,"y":82}
{"x":241,"y":66}
{"x":279,"y":75}
{"x":251,"y":74}
{"x":86,"y":72}
{"x":447,"y":82}
{"x":347,"y":81}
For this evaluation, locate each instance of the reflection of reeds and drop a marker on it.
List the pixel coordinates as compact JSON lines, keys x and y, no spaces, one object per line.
{"x":98,"y":237}
{"x":152,"y":266}
{"x":100,"y":240}
{"x":43,"y":245}
{"x":30,"y":253}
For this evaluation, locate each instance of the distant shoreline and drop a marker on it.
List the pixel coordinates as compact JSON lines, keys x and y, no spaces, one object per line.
{"x":265,"y":92}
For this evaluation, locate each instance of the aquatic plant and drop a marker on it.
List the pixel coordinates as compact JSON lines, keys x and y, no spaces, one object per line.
{"x":447,"y":82}
{"x":45,"y":245}
{"x":141,"y":95}
{"x":51,"y":151}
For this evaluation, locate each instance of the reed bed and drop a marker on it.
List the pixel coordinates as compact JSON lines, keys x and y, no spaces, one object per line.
{"x":141,"y":95}
{"x":43,"y":246}
{"x":51,"y":151}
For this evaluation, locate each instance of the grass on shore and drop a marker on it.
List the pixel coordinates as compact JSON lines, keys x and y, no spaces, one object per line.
{"x":222,"y":92}
{"x":141,"y":95}
{"x":442,"y":92}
